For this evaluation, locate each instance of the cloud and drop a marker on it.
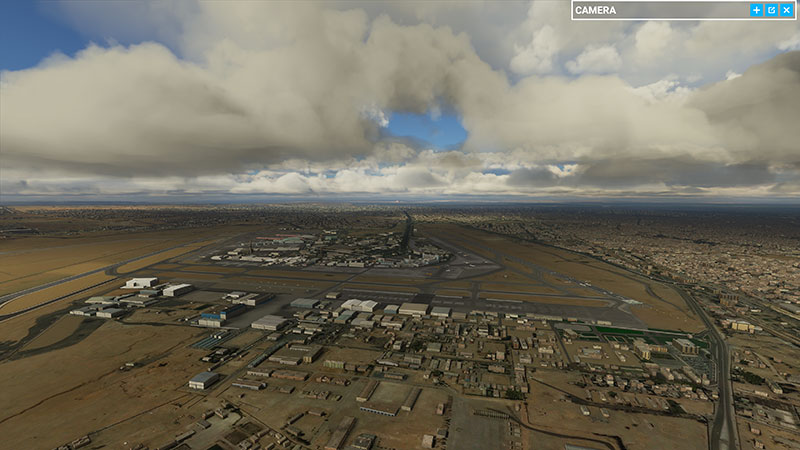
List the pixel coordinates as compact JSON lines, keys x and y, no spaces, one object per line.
{"x":267,"y":97}
{"x":596,"y":59}
{"x":538,"y":55}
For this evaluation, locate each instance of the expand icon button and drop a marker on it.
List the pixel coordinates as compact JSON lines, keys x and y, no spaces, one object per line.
{"x":771,"y":10}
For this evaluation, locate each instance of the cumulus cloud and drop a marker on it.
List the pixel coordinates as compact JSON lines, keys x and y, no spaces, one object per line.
{"x":596,"y":59}
{"x":294,"y":99}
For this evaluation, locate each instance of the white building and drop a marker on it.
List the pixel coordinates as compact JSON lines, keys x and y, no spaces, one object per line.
{"x":140,"y":283}
{"x":360,"y":305}
{"x":203,"y":380}
{"x":177,"y":290}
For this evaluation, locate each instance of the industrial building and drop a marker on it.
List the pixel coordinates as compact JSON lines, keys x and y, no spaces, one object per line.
{"x":110,"y":313}
{"x":360,"y":305}
{"x":411,"y":399}
{"x":391,"y":309}
{"x":305,"y":303}
{"x":211,"y":323}
{"x":203,"y":380}
{"x":251,"y":299}
{"x":293,"y":375}
{"x":249,"y":384}
{"x":270,"y":323}
{"x":140,"y":283}
{"x":413,"y":309}
{"x":384,"y":409}
{"x":440,"y":311}
{"x":224,"y":313}
{"x":177,"y":290}
{"x":368,"y":390}
{"x":686,"y":346}
{"x":340,"y":433}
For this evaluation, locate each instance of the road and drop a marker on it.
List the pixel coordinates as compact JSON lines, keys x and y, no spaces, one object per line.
{"x":723,"y":434}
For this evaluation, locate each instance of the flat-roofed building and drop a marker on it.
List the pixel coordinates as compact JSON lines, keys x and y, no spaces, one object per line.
{"x":368,"y":390}
{"x":305,"y":303}
{"x":383,"y":409}
{"x":203,"y":380}
{"x":293,"y":375}
{"x":140,"y":283}
{"x":252,"y":299}
{"x":175,"y":290}
{"x":440,"y":311}
{"x":340,"y":433}
{"x":391,"y":309}
{"x":110,"y":313}
{"x":685,"y":346}
{"x":413,"y":309}
{"x":642,"y":349}
{"x":411,"y":399}
{"x":210,"y":323}
{"x":249,"y":384}
{"x":270,"y":323}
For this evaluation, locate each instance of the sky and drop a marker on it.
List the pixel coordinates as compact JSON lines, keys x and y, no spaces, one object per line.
{"x":188,"y":100}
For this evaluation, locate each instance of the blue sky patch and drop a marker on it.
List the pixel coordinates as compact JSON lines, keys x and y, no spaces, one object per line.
{"x":444,"y":132}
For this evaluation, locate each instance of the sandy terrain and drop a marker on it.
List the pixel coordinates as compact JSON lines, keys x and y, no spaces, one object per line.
{"x":89,"y":384}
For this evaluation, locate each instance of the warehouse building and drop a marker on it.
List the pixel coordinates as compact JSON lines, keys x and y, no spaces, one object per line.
{"x":411,"y":399}
{"x":177,"y":290}
{"x":270,"y":323}
{"x":360,"y":305}
{"x":224,"y":313}
{"x":440,"y":311}
{"x":252,"y":299}
{"x":391,"y":309}
{"x":110,"y":313}
{"x":249,"y":384}
{"x":305,"y":303}
{"x":383,"y":409}
{"x":340,"y":433}
{"x":210,"y":323}
{"x":203,"y":380}
{"x":413,"y":309}
{"x":293,"y":375}
{"x":368,"y":390}
{"x":139,"y":283}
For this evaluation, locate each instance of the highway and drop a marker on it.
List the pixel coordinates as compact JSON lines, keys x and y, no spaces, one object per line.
{"x":723,"y":434}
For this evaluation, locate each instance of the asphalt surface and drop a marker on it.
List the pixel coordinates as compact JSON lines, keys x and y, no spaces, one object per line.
{"x":723,"y":434}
